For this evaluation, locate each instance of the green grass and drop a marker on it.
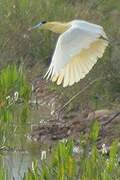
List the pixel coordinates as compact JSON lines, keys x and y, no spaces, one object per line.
{"x":3,"y":174}
{"x":90,"y":164}
{"x":12,"y":81}
{"x":34,"y":49}
{"x":62,"y":163}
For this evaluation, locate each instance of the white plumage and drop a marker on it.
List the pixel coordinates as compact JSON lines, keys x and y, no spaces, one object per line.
{"x":76,"y":52}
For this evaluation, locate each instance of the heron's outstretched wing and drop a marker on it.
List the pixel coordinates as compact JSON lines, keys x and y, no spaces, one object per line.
{"x":76,"y":52}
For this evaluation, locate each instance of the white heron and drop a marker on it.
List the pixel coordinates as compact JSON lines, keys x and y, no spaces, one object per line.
{"x":78,"y":48}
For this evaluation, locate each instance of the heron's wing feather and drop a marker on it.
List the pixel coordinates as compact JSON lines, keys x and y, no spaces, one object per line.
{"x":81,"y":64}
{"x":84,"y":61}
{"x":72,"y":45}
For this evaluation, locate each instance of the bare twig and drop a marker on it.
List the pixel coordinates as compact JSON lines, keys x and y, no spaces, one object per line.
{"x":79,"y":93}
{"x":111,"y":119}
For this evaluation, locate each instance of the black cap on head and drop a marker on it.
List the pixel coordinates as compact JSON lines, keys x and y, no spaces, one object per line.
{"x":43,"y":22}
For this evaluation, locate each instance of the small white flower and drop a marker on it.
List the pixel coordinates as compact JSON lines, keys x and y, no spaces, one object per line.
{"x":43,"y":155}
{"x":76,"y":149}
{"x":104,"y":149}
{"x":107,"y":162}
{"x":25,"y":36}
{"x":32,"y":87}
{"x":8,"y":97}
{"x":33,"y":166}
{"x":14,"y":6}
{"x":52,"y":108}
{"x":63,"y":140}
{"x":9,"y":100}
{"x":52,"y":112}
{"x":16,"y":95}
{"x":118,"y":144}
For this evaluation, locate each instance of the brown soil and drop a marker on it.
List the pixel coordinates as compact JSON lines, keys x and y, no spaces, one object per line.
{"x":109,"y":120}
{"x":73,"y":124}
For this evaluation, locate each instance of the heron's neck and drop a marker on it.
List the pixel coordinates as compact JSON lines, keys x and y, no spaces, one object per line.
{"x":57,"y":27}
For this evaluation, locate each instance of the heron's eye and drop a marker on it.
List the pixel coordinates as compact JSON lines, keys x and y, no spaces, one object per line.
{"x":43,"y":22}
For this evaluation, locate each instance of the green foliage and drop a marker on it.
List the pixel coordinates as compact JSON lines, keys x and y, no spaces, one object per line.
{"x":14,"y":89}
{"x":91,"y":164}
{"x":3,"y":174}
{"x":35,"y":48}
{"x":18,"y":16}
{"x":62,"y":165}
{"x":12,"y":78}
{"x":95,"y":127}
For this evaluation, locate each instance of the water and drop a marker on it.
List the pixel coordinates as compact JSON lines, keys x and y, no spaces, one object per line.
{"x":17,"y":163}
{"x":22,"y":152}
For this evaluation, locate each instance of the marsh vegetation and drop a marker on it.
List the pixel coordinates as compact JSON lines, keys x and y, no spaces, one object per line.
{"x":24,"y":58}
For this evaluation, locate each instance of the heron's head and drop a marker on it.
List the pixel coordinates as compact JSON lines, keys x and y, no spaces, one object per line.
{"x":54,"y":26}
{"x":39,"y":25}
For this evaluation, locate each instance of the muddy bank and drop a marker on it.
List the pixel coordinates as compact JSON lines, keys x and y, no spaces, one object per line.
{"x":70,"y":125}
{"x":74,"y":124}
